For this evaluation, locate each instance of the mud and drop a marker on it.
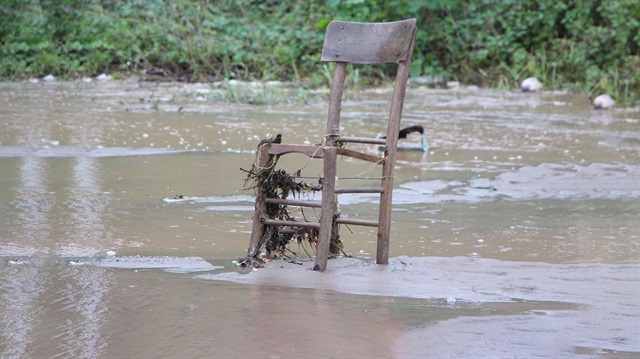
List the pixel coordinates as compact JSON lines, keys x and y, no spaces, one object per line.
{"x":591,"y":327}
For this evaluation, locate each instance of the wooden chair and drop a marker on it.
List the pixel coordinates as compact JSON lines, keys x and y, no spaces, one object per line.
{"x":345,"y":43}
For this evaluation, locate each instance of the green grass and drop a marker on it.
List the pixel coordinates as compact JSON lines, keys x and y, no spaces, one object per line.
{"x":588,"y":46}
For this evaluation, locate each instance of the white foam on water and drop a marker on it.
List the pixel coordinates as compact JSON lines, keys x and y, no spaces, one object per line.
{"x":169,"y":264}
{"x":77,"y":151}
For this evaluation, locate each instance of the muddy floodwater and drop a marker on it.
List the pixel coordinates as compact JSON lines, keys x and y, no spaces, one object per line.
{"x":122,"y":209}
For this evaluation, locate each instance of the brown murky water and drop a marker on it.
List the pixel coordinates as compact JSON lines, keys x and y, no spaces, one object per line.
{"x":85,"y":168}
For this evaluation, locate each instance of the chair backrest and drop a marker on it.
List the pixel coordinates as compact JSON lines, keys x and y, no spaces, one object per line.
{"x":368,"y":43}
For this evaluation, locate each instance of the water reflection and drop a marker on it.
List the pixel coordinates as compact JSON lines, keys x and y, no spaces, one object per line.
{"x":21,"y":308}
{"x":86,"y":232}
{"x":33,"y":203}
{"x":279,"y":314}
{"x":82,"y":300}
{"x":26,"y":279}
{"x":66,"y":305}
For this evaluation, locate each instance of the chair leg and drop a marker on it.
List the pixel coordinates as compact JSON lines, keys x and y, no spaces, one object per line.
{"x":257,"y":231}
{"x":388,"y":169}
{"x":328,"y":208}
{"x":384,"y":218}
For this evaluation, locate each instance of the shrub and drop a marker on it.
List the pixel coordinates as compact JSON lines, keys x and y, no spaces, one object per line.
{"x":587,"y":45}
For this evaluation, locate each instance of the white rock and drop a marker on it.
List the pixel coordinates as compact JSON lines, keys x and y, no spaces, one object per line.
{"x":111,"y":253}
{"x":49,"y":78}
{"x":603,"y":102}
{"x":103,"y":77}
{"x":424,"y":80}
{"x":531,"y":84}
{"x":453,"y":84}
{"x":34,"y":80}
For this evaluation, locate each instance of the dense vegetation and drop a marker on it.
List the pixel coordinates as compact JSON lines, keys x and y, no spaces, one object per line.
{"x":592,"y":46}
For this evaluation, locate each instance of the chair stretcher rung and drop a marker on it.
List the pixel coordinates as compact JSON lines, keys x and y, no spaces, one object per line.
{"x":357,"y":222}
{"x":373,"y":141}
{"x":293,"y":202}
{"x":359,"y":155}
{"x":360,"y":190}
{"x":275,"y":222}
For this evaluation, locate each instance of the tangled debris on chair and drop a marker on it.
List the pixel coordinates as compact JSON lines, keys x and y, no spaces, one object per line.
{"x":272,"y":183}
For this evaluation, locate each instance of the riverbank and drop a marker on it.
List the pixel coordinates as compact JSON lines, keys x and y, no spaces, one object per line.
{"x":592,"y":47}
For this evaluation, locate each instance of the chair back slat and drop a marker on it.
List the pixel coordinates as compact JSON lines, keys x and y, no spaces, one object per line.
{"x":368,"y":43}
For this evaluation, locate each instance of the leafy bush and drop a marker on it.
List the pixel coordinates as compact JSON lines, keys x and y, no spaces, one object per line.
{"x":590,"y":46}
{"x":585,"y":45}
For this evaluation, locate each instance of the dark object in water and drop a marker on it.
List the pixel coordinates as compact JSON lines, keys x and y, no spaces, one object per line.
{"x":407,"y":130}
{"x":277,"y":139}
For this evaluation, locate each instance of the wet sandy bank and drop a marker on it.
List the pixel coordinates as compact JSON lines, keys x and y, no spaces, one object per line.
{"x":607,"y":296}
